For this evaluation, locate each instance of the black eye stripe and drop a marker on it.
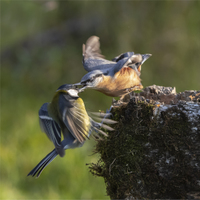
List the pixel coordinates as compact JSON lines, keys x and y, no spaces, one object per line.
{"x":138,"y":64}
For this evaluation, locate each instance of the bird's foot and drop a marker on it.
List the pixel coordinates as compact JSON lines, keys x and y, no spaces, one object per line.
{"x":107,"y":114}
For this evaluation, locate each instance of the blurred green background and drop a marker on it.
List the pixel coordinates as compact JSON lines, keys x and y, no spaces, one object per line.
{"x":41,"y":48}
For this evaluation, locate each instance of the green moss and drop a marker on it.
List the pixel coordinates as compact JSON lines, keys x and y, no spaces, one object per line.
{"x":145,"y":157}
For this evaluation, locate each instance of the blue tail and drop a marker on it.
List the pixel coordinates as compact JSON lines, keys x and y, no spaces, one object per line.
{"x":37,"y":170}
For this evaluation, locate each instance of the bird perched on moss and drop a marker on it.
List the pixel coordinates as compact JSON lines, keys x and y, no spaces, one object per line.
{"x":67,"y":114}
{"x":113,"y":78}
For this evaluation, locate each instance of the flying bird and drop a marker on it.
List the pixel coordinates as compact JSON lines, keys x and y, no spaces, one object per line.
{"x":115,"y":77}
{"x":66,"y":115}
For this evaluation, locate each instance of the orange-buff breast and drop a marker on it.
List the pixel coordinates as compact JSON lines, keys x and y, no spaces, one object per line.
{"x":117,"y":85}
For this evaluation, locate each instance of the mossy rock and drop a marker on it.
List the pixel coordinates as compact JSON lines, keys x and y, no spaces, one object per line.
{"x":154,"y":151}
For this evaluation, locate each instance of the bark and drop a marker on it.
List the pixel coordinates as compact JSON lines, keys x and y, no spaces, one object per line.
{"x":154,"y":151}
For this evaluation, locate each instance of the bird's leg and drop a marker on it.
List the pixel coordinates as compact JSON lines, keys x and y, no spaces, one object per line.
{"x":130,"y":93}
{"x":131,"y":90}
{"x":121,"y":98}
{"x":107,"y":112}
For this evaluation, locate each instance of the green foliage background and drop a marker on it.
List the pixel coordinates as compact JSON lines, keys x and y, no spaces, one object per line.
{"x":31,"y":71}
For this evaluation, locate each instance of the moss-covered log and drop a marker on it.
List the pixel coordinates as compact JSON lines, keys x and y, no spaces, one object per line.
{"x":154,"y":151}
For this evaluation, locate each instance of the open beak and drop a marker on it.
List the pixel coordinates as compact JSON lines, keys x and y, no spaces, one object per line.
{"x":145,"y":57}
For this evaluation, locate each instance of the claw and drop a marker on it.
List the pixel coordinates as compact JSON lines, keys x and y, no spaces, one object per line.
{"x":114,"y":100}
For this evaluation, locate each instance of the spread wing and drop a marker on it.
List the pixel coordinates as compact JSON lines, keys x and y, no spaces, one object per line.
{"x":75,"y":118}
{"x":92,"y":48}
{"x":124,"y":62}
{"x":49,"y":126}
{"x":127,"y":60}
{"x":123,"y":55}
{"x":92,"y":57}
{"x":130,"y":62}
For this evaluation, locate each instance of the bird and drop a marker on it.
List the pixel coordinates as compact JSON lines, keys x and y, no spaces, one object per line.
{"x":66,"y":114}
{"x":115,"y":77}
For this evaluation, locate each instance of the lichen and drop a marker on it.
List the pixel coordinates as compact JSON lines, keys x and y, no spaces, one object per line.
{"x":147,"y":156}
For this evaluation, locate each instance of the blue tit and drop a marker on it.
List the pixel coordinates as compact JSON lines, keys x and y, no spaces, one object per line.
{"x":66,"y":114}
{"x":113,"y":78}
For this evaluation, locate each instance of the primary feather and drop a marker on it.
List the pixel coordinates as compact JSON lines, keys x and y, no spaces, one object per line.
{"x":66,"y":115}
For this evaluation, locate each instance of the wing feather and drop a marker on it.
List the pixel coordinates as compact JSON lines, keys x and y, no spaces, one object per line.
{"x":49,"y":126}
{"x":75,"y":118}
{"x":123,"y":55}
{"x":92,"y":57}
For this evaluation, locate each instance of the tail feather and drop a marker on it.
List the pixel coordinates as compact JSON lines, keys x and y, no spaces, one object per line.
{"x":37,"y":170}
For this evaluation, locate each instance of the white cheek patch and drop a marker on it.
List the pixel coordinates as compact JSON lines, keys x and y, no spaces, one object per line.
{"x":129,"y":61}
{"x":97,"y":81}
{"x":73,"y":93}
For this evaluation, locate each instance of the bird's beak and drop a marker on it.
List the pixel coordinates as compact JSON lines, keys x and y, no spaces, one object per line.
{"x":145,"y":57}
{"x":81,"y":89}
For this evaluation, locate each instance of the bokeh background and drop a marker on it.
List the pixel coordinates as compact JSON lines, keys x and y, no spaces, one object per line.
{"x":41,"y":48}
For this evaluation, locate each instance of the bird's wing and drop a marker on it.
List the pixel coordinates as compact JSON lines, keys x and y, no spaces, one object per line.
{"x":123,"y":55}
{"x":92,"y":57}
{"x":123,"y":62}
{"x":49,"y":126}
{"x":92,"y":48}
{"x":131,"y":60}
{"x":75,"y":118}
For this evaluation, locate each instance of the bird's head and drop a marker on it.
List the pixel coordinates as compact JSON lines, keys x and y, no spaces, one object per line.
{"x":137,"y":60}
{"x":69,"y":89}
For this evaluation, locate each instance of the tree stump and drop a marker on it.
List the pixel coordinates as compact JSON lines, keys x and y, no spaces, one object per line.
{"x":154,"y":151}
